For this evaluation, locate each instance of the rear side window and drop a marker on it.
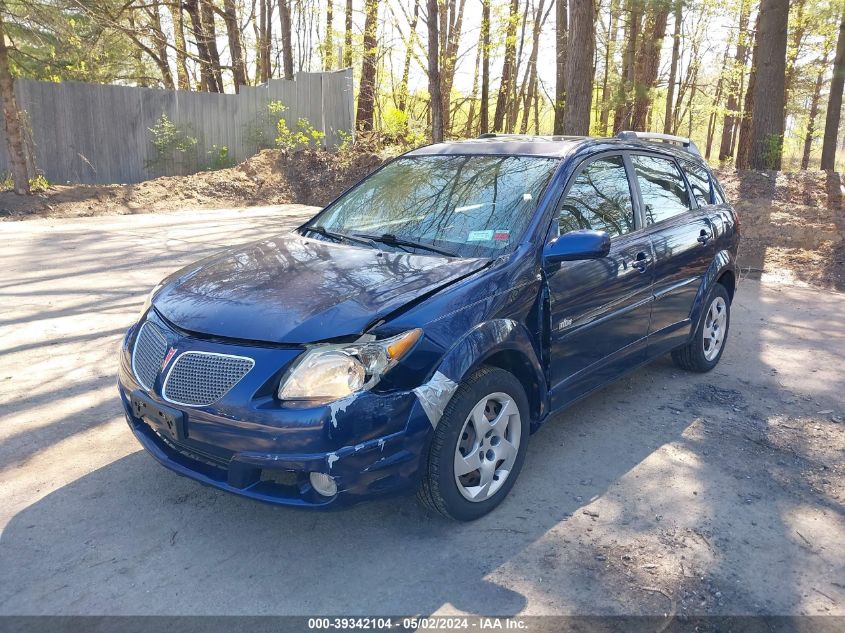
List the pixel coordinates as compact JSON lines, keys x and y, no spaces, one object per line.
{"x":599,"y":199}
{"x":663,"y":190}
{"x":699,"y":182}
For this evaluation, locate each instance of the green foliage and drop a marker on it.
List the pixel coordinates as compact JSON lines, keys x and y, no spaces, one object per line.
{"x":256,"y":131}
{"x":219,"y":158}
{"x":305,"y":135}
{"x":37,"y":184}
{"x":173,"y":147}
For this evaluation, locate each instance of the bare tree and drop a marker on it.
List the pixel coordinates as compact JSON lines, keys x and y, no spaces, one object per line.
{"x":834,"y":102}
{"x":767,"y":115}
{"x":508,"y":70}
{"x":409,"y":49}
{"x":328,"y":48}
{"x":579,"y":84}
{"x":734,"y":89}
{"x":673,"y":66}
{"x":367,"y":93}
{"x":233,"y":31}
{"x":287,"y":39}
{"x":648,"y":61}
{"x":815,"y":100}
{"x":347,"y":36}
{"x":610,"y":51}
{"x":208,"y":80}
{"x":485,"y":67}
{"x":178,"y":18}
{"x":434,"y":88}
{"x":561,"y":29}
{"x":11,"y":116}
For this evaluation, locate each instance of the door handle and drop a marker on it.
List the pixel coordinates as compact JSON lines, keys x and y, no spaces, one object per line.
{"x":641,"y":263}
{"x":704,"y":236}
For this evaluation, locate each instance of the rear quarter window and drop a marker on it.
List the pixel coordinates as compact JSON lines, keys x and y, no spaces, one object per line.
{"x":699,"y":182}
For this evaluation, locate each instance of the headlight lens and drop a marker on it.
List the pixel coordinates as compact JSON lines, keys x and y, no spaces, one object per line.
{"x":330,"y":372}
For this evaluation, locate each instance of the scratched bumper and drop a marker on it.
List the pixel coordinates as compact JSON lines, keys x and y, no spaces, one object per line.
{"x":251,"y":445}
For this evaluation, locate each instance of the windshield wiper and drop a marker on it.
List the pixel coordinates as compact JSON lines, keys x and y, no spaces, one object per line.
{"x":392,"y":240}
{"x":339,"y":236}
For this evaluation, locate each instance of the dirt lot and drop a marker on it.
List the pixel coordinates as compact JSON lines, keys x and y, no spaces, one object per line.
{"x":666,"y":493}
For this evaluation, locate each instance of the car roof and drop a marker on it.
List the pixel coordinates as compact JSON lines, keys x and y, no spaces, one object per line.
{"x":548,"y":146}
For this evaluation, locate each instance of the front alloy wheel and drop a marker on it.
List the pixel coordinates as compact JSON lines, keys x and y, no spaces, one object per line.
{"x":488,"y":446}
{"x":478,"y":446}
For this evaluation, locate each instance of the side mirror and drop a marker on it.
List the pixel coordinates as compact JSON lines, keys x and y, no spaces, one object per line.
{"x":576,"y":246}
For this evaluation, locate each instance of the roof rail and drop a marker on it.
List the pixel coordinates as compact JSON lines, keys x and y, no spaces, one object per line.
{"x":488,"y":135}
{"x":685,"y":142}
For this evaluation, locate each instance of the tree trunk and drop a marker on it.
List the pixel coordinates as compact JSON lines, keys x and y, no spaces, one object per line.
{"x":211,"y":43}
{"x":160,"y":41}
{"x":814,"y":112}
{"x":531,"y":71}
{"x":12,"y":118}
{"x":287,"y":39}
{"x":452,"y":18}
{"x":834,"y":102}
{"x":409,"y":47}
{"x":347,"y":36}
{"x":473,"y":96}
{"x":734,"y":91}
{"x":648,"y":62}
{"x":485,"y":67}
{"x":207,"y":79}
{"x":579,"y":84}
{"x":502,"y":101}
{"x":793,"y":52}
{"x":367,"y":93}
{"x":743,"y":150}
{"x":515,"y":98}
{"x":673,"y":67}
{"x":233,"y":31}
{"x":176,"y":15}
{"x":328,"y":56}
{"x":436,"y":105}
{"x":561,"y":29}
{"x":609,"y":54}
{"x":767,"y":115}
{"x":622,"y":115}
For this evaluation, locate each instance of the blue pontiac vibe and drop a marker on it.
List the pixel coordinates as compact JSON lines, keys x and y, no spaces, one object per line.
{"x":416,"y":331}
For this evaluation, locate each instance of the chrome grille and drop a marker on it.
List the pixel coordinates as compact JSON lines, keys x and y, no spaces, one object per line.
{"x":201,"y":378}
{"x":150,"y":350}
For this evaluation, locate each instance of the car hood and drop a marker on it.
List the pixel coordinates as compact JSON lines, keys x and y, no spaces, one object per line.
{"x":291,"y":289}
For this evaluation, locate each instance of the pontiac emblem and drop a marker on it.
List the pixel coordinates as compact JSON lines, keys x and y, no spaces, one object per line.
{"x":167,"y":358}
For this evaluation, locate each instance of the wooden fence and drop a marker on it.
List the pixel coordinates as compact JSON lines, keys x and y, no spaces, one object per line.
{"x":92,"y":133}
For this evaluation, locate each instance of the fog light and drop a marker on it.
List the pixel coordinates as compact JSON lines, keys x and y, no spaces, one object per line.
{"x":323,"y":484}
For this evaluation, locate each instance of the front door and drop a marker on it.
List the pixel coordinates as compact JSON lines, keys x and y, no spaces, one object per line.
{"x":600,"y":309}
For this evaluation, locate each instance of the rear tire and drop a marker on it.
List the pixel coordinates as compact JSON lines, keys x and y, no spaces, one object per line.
{"x":704,"y":350}
{"x":478,"y":447}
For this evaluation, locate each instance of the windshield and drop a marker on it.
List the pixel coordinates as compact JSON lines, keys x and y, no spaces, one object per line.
{"x":471,"y":206}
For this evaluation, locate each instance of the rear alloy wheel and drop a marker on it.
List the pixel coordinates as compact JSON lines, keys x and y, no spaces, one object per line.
{"x":478,"y":446}
{"x":705,"y":349}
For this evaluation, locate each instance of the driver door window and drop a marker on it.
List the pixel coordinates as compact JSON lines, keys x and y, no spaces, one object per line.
{"x":599,"y":199}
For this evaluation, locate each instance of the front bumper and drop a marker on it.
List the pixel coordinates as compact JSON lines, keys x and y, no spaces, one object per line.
{"x":250,"y":445}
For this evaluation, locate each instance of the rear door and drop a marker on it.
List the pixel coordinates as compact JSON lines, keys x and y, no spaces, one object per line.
{"x":599,"y":308}
{"x":682,"y":235}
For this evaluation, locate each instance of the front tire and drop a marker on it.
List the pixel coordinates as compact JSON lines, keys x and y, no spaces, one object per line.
{"x":478,"y":447}
{"x":705,"y":349}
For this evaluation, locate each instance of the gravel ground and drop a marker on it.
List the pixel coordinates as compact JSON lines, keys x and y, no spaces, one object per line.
{"x":666,"y":493}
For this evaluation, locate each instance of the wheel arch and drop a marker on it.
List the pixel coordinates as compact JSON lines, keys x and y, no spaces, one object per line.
{"x":722,"y":270}
{"x":506,"y":344}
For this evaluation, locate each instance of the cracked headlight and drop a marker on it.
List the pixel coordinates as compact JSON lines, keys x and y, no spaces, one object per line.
{"x":330,"y":372}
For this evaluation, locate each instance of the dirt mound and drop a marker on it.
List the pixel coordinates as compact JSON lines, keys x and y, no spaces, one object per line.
{"x":270,"y":177}
{"x":792,"y":224}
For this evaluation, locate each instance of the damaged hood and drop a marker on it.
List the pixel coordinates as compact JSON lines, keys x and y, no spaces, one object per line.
{"x":291,"y":289}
